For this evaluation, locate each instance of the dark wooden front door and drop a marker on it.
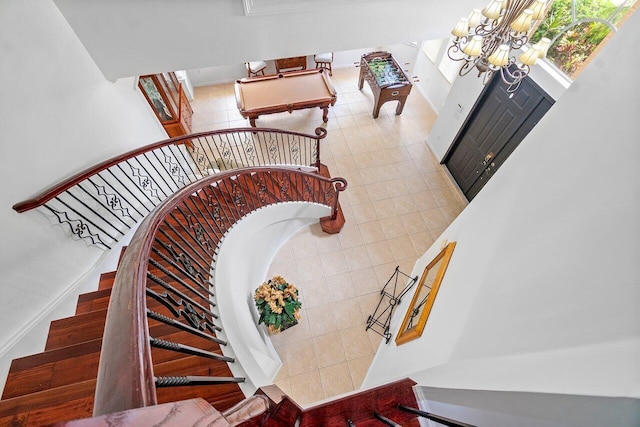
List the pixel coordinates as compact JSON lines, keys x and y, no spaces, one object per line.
{"x":497,"y":124}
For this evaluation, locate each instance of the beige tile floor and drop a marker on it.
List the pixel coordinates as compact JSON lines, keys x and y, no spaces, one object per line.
{"x":398,"y":201}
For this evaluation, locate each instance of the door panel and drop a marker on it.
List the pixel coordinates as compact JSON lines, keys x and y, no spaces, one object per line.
{"x":495,"y":127}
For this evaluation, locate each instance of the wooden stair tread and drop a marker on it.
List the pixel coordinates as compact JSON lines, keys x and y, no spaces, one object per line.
{"x":52,"y":368}
{"x":76,"y":329}
{"x":359,"y":407}
{"x":106,"y":280}
{"x":92,"y":301}
{"x":50,"y":398}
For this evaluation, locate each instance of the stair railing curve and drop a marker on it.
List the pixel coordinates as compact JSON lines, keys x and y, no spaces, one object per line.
{"x":165,"y":276}
{"x":100,"y":204}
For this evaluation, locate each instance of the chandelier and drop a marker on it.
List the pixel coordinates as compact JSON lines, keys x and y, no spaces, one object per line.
{"x":486,"y":38}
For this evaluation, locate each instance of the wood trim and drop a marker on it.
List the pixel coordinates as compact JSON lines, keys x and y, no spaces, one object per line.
{"x":405,"y":335}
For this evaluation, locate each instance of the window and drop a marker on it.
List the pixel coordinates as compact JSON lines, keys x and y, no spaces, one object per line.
{"x":577,"y":27}
{"x":436,"y":51}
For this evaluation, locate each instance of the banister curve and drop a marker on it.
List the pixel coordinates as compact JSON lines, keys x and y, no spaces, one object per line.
{"x":125,"y":374}
{"x":56,"y":189}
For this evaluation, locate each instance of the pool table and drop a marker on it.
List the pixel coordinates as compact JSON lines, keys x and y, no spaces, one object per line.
{"x":282,"y":92}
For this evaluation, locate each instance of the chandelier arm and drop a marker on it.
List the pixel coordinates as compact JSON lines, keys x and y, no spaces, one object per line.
{"x":455,"y":50}
{"x":467,"y":67}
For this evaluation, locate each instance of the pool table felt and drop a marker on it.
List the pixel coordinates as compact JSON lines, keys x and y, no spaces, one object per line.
{"x":292,"y":88}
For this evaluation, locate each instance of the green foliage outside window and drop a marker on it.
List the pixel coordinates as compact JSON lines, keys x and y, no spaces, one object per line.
{"x":576,"y":28}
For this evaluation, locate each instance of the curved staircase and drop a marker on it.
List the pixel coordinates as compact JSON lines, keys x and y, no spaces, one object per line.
{"x":147,"y":335}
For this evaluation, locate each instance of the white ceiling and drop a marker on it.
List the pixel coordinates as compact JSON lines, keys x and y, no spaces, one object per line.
{"x":134,"y":37}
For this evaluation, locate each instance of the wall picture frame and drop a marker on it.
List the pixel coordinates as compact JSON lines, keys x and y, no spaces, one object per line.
{"x":424,"y":297}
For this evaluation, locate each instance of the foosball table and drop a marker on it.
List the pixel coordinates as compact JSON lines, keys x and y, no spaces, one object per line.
{"x":386,"y":78}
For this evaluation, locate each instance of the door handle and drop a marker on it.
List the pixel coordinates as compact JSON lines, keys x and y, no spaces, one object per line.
{"x":487,"y":159}
{"x":487,"y":170}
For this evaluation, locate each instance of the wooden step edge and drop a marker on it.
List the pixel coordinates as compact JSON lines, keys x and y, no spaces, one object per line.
{"x":78,"y":319}
{"x":90,"y":324}
{"x":106,"y":280}
{"x":89,"y":296}
{"x":93,"y":301}
{"x":122,"y":251}
{"x":51,"y":356}
{"x":47,"y":398}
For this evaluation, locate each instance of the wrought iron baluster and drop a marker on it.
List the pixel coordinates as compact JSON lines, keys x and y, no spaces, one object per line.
{"x":202,"y":284}
{"x":141,"y":203}
{"x":260,"y":137}
{"x":230,"y":144}
{"x":437,"y":418}
{"x":195,"y":380}
{"x":187,"y":349}
{"x":186,"y":261}
{"x":158,"y":173}
{"x":182,"y":326}
{"x":93,"y":211}
{"x":141,"y":184}
{"x":246,"y":184}
{"x":112,"y":203}
{"x":386,"y":420}
{"x":188,"y":233}
{"x":198,"y":202}
{"x":77,"y":227}
{"x":186,"y":299}
{"x":118,"y":193}
{"x":219,"y":211}
{"x":201,"y":234}
{"x":195,"y":319}
{"x":184,"y":254}
{"x":236,"y":198}
{"x":171,"y":170}
{"x":178,"y":279}
{"x":187,"y":161}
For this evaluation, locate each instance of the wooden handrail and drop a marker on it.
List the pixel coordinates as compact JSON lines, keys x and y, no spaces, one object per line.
{"x":46,"y":195}
{"x":125,"y":374}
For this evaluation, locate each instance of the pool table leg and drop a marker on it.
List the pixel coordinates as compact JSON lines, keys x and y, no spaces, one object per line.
{"x":325,"y":114}
{"x":252,"y":121}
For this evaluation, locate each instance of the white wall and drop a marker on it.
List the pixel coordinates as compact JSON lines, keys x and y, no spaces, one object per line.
{"x":59,"y":115}
{"x":542,"y":293}
{"x":242,"y":265}
{"x":194,"y":34}
{"x":508,"y":409}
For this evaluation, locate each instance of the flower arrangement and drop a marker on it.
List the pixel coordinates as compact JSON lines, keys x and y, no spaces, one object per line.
{"x":277,"y":303}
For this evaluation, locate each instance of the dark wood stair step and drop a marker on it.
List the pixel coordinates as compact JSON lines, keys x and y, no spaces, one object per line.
{"x":91,"y":301}
{"x":359,"y":407}
{"x":56,"y":404}
{"x":106,"y":280}
{"x":53,"y":368}
{"x":76,"y":329}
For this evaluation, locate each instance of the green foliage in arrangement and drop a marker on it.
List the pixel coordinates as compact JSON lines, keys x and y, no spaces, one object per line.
{"x":277,"y":303}
{"x":576,"y":41}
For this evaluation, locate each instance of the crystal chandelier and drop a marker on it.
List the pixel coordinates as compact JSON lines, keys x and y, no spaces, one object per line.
{"x":486,"y":38}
